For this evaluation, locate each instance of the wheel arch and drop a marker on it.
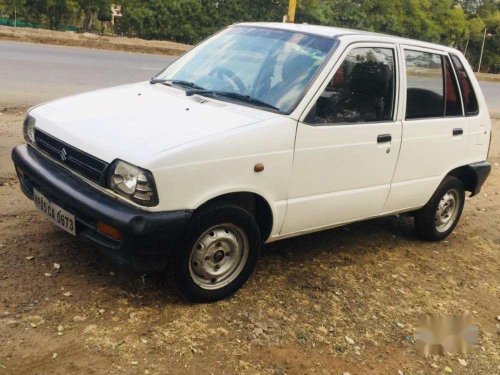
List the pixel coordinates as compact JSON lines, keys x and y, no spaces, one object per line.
{"x":255,"y":203}
{"x":468,"y":176}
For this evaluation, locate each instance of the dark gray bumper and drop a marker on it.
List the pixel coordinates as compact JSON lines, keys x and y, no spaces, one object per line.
{"x":147,"y":237}
{"x":481,"y":172}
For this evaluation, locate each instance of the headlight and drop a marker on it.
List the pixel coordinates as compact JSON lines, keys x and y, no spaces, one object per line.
{"x":29,"y":129}
{"x":132,"y":182}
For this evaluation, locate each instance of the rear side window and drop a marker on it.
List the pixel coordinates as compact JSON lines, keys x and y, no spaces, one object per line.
{"x":425,"y":85}
{"x":468,"y":94}
{"x":432,"y":89}
{"x":362,"y":89}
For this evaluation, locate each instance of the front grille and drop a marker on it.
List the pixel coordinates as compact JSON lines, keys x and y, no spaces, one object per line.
{"x":75,"y":159}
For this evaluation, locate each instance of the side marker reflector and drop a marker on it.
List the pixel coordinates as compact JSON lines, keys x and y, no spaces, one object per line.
{"x":109,"y":231}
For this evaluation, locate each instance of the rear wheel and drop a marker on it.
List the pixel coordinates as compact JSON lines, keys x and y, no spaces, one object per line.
{"x":217,"y":255}
{"x":437,"y":219}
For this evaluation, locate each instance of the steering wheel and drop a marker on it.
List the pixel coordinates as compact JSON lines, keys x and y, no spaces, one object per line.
{"x":223,"y":73}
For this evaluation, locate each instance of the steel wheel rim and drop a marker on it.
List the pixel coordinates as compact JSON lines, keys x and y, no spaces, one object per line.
{"x":218,"y":256}
{"x":447,"y":210}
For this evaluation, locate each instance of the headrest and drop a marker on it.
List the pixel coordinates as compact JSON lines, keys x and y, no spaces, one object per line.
{"x":370,"y":78}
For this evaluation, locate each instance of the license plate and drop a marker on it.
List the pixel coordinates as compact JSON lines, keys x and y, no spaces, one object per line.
{"x":60,"y":217}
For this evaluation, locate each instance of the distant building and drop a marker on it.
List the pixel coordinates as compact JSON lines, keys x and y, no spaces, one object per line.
{"x":116,"y":12}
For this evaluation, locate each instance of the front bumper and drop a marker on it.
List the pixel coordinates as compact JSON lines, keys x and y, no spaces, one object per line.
{"x":147,"y":237}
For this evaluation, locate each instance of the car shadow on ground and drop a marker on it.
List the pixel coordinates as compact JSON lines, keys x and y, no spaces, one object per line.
{"x":350,"y":243}
{"x":356,"y":236}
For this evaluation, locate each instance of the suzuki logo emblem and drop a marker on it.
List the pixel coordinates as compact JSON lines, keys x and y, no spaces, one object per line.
{"x":63,"y":154}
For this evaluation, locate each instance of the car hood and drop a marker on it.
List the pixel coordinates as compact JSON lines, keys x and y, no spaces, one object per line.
{"x":135,"y":122}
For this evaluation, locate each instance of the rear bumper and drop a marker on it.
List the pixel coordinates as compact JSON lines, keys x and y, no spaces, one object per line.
{"x":147,"y":237}
{"x":481,"y":171}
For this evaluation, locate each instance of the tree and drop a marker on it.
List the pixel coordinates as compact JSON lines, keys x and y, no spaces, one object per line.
{"x":51,"y":12}
{"x":11,"y":8}
{"x":90,"y":9}
{"x":458,"y":23}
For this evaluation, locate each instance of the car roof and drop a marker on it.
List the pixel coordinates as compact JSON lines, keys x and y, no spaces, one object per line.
{"x":339,"y":33}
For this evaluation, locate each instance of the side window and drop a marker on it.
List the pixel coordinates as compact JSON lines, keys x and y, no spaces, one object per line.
{"x":468,"y":95}
{"x":453,"y":105}
{"x":362,"y":89}
{"x":425,"y":85}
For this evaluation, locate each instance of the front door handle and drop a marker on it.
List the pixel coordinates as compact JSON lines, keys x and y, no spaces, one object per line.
{"x":458,"y":131}
{"x":383,"y":138}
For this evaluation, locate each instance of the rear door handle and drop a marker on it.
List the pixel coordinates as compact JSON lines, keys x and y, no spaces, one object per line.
{"x":458,"y":131}
{"x":383,"y":138}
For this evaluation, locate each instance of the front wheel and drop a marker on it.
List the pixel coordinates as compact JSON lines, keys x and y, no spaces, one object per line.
{"x":437,"y":219}
{"x":217,"y":255}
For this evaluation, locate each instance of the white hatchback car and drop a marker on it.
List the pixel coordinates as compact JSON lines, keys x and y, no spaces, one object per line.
{"x":262,"y":132}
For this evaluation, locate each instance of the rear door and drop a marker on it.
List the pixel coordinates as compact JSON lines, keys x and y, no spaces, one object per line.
{"x":434,"y":128}
{"x":347,"y":142}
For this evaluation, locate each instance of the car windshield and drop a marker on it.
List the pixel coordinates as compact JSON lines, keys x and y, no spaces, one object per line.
{"x":265,"y":67}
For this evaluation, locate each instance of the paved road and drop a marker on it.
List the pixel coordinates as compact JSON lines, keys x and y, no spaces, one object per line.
{"x":491,"y":91}
{"x":34,"y":73}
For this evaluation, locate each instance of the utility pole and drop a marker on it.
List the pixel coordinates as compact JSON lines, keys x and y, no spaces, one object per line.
{"x":466,"y":45}
{"x":15,"y":14}
{"x":482,"y":49}
{"x":291,"y":11}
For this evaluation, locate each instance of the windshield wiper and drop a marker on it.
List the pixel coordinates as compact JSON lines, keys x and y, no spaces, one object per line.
{"x":233,"y":95}
{"x":176,"y":82}
{"x":197,"y":89}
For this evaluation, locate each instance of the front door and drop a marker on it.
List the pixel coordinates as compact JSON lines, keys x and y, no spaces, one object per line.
{"x":347,"y":143}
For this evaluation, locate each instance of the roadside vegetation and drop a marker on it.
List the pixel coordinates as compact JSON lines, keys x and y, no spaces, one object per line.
{"x":88,"y":40}
{"x":460,"y":23}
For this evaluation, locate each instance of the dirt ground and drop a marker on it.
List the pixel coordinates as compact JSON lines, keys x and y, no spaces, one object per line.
{"x":24,"y":34}
{"x":341,"y":301}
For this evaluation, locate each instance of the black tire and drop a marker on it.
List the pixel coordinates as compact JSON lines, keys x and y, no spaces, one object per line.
{"x":427,"y":226}
{"x":181,"y":264}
